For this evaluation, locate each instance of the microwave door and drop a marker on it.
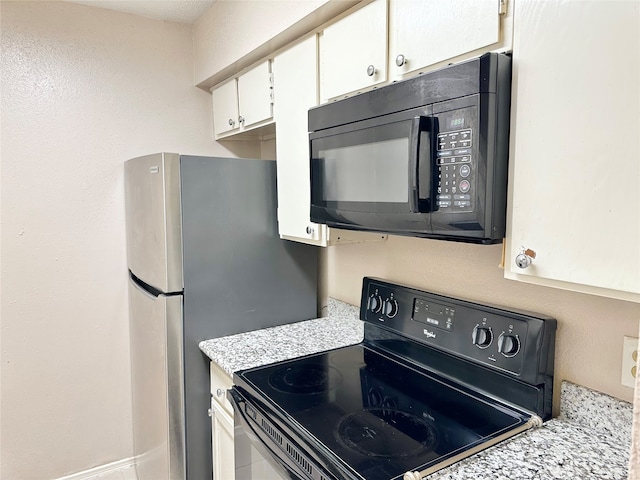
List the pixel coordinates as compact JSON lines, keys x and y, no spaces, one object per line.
{"x":366,"y":175}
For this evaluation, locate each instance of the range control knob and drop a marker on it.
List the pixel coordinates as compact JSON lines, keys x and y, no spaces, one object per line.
{"x":375,"y":303}
{"x":508,"y":345}
{"x":482,"y":336}
{"x":390,"y":307}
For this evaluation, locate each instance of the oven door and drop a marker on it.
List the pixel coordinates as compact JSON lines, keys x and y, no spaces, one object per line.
{"x":375,"y":174}
{"x":253,"y":458}
{"x":270,"y":445}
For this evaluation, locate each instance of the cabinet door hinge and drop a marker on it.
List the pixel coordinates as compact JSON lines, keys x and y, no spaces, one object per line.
{"x":271,"y":95}
{"x":502,"y":7}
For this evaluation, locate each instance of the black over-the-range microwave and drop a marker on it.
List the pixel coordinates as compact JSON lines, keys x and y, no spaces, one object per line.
{"x":423,"y":157}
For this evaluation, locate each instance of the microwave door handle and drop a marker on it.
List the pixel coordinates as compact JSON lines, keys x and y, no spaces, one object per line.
{"x":421,"y":163}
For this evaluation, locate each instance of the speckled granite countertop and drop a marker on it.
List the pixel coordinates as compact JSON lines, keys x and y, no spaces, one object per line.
{"x":342,"y":327}
{"x":589,"y":440}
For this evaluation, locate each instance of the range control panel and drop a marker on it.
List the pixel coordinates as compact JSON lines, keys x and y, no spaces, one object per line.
{"x":515,"y":342}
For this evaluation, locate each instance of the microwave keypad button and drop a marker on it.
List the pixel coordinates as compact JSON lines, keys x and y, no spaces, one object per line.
{"x":453,"y":160}
{"x":462,"y":197}
{"x":443,"y":201}
{"x":462,"y":203}
{"x":465,"y":170}
{"x":453,"y":140}
{"x":464,"y":186}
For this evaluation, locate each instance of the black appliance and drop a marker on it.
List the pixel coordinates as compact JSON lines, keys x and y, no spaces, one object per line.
{"x":423,"y":157}
{"x":435,"y":380}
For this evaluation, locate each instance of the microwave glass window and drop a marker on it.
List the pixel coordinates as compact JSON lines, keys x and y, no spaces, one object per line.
{"x":373,"y":172}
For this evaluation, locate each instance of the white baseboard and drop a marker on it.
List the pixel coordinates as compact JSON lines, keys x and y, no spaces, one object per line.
{"x":96,"y":472}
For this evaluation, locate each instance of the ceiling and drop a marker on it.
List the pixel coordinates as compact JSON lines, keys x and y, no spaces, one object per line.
{"x":184,"y":11}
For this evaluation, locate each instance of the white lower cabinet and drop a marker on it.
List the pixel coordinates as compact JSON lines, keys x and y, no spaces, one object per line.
{"x":575,"y":147}
{"x":222,"y":442}
{"x":221,"y":425}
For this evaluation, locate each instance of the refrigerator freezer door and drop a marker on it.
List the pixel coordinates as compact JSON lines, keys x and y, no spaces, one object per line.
{"x":154,"y":235}
{"x":157,"y":384}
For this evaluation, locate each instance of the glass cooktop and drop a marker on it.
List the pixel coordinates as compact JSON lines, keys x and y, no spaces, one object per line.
{"x":379,"y":417}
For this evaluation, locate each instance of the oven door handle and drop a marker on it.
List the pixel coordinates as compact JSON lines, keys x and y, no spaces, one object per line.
{"x":422,"y":168}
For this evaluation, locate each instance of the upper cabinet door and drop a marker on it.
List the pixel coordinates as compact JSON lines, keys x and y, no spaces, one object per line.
{"x":225,"y":107}
{"x":575,"y":147}
{"x":353,"y":51}
{"x":422,"y":33}
{"x":296,"y":82}
{"x":255,"y":95}
{"x":244,"y":102}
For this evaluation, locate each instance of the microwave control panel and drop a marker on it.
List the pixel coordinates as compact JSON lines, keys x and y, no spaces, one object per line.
{"x":455,"y":162}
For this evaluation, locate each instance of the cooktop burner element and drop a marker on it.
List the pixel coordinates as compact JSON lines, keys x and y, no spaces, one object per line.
{"x":435,"y":380}
{"x":305,"y":379}
{"x":386,"y":433}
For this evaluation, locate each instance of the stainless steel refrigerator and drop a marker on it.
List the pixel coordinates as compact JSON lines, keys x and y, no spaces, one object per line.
{"x":205,"y":260}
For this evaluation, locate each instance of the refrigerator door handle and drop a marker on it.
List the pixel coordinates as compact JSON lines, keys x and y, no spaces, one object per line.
{"x":145,"y":288}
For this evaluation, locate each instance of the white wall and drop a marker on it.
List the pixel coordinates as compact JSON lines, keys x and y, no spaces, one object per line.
{"x":83,"y":89}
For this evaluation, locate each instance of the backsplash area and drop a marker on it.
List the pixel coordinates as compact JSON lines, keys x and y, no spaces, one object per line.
{"x":590,"y":328}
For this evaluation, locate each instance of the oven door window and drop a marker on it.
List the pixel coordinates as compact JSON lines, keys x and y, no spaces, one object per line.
{"x":363,"y":170}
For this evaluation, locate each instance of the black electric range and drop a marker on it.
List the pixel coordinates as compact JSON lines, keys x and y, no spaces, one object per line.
{"x":435,"y":380}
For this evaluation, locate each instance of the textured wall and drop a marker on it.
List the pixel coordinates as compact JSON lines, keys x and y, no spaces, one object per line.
{"x":590,"y":329}
{"x":83,"y":89}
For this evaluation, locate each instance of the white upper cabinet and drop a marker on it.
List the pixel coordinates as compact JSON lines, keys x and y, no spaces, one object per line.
{"x":296,"y":86}
{"x":353,"y":51}
{"x":296,"y":90}
{"x":243,"y":103}
{"x":575,"y":147}
{"x":423,"y":33}
{"x":255,"y":96}
{"x":392,"y":39}
{"x":225,"y":107}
